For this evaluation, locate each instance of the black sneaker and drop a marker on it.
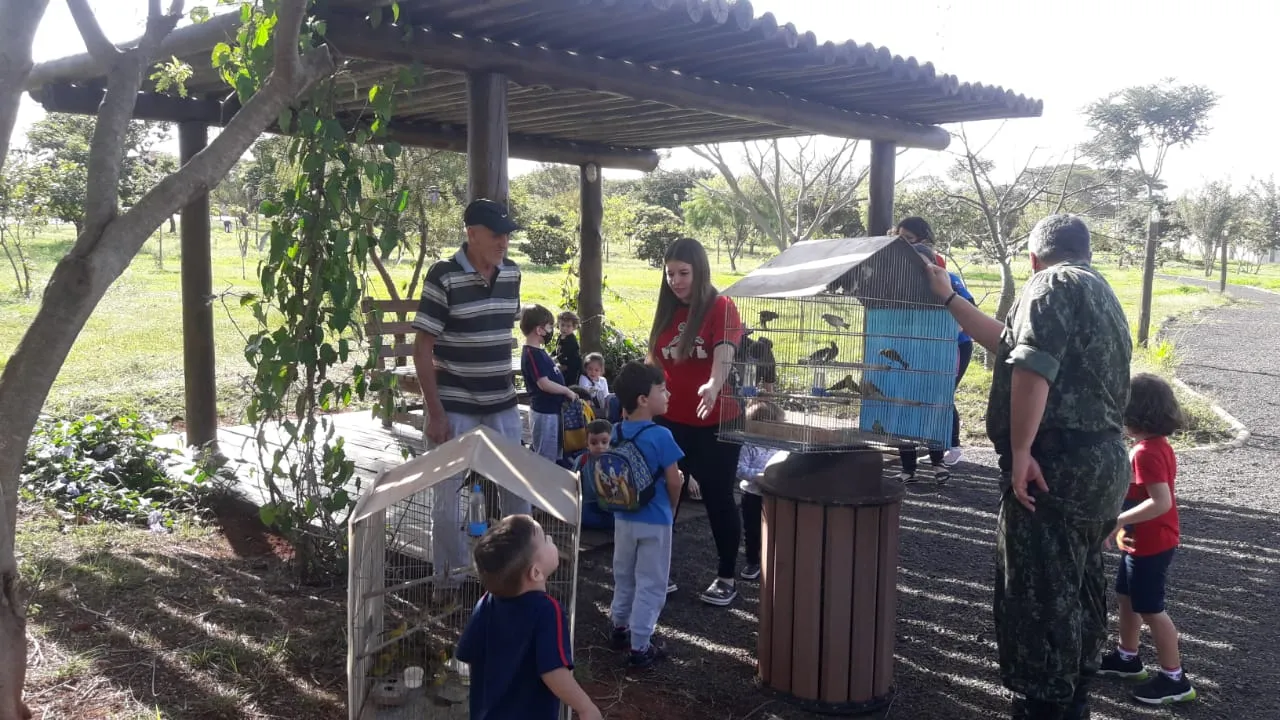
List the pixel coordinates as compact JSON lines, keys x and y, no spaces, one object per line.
{"x":942,"y":477}
{"x":750,"y":571}
{"x":719,"y":593}
{"x":1114,"y":666}
{"x":1164,"y":690}
{"x":620,"y":639}
{"x":643,"y":659}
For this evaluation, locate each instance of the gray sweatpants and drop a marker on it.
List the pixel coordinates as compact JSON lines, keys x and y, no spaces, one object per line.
{"x":544,"y":436}
{"x":641,"y":567}
{"x":450,"y":547}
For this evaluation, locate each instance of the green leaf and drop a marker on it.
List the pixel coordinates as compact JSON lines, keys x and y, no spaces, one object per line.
{"x":245,"y":86}
{"x":246,"y":12}
{"x":285,"y":120}
{"x":402,"y":200}
{"x":395,"y":12}
{"x":199,"y":14}
{"x":373,"y":93}
{"x":268,"y":514}
{"x":248,"y":299}
{"x":391,"y":149}
{"x":269,"y":208}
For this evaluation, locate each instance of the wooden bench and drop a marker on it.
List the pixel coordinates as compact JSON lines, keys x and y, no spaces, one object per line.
{"x":388,"y":323}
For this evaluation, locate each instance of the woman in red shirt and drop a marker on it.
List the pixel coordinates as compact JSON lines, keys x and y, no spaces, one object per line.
{"x":695,"y":334}
{"x":1147,"y":531}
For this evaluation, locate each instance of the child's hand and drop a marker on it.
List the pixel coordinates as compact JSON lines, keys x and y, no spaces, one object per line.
{"x":593,"y":713}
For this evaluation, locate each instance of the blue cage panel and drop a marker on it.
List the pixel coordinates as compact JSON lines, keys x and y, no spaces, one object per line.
{"x":914,"y":355}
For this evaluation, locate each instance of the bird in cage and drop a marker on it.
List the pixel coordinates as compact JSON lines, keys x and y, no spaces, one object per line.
{"x":824,"y":355}
{"x":766,"y":317}
{"x":877,"y":427}
{"x":892,"y":356}
{"x":835,"y":321}
{"x":846,"y":384}
{"x":870,"y":391}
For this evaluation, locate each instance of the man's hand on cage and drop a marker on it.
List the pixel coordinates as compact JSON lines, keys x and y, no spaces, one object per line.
{"x":939,"y":281}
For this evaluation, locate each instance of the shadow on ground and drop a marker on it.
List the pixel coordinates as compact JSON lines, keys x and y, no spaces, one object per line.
{"x":1220,"y":595}
{"x":132,"y":624}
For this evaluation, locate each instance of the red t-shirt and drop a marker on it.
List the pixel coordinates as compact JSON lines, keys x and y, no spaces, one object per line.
{"x":1153,"y":464}
{"x":721,"y":325}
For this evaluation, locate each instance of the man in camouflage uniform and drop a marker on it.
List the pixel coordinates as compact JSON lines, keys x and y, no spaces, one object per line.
{"x":1055,"y":415}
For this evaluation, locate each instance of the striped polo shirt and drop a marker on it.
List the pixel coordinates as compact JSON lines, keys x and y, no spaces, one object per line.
{"x":471,"y":320}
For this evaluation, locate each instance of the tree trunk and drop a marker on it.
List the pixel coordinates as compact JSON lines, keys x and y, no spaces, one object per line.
{"x":1007,"y":290}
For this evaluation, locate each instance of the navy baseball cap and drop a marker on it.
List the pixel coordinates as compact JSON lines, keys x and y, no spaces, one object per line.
{"x":490,"y":214}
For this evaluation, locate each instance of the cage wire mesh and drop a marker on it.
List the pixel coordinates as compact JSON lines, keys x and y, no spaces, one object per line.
{"x":412,"y":591}
{"x":843,"y":347}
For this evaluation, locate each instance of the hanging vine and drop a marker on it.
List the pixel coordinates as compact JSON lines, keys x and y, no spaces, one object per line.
{"x":344,"y":202}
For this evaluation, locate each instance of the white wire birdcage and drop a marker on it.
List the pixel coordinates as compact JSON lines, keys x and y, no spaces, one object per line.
{"x":411,"y":583}
{"x":843,"y":347}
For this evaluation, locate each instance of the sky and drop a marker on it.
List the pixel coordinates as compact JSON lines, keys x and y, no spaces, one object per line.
{"x":1064,"y":54}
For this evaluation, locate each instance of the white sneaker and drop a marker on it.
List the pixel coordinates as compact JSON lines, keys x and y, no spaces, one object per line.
{"x":952,"y":457}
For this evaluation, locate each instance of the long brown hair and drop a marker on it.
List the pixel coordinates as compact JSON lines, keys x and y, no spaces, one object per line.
{"x":703,"y":294}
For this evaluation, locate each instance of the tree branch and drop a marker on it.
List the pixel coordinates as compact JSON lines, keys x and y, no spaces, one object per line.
{"x":95,"y":41}
{"x":106,"y":150}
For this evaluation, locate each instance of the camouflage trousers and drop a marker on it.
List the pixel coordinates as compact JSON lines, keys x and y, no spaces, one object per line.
{"x":1050,"y":598}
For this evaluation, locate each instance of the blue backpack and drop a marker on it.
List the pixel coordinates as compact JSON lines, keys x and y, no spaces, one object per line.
{"x":620,"y":476}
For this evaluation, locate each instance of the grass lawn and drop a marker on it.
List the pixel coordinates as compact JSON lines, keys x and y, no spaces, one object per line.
{"x":130,"y":352}
{"x":1267,"y":277}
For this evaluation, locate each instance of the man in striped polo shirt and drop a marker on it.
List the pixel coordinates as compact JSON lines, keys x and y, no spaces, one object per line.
{"x":463,"y":359}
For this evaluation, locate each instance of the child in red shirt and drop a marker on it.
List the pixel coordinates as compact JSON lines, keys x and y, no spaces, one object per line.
{"x":1147,"y":533}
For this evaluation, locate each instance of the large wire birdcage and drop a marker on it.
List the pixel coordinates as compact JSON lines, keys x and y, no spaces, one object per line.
{"x":843,"y":346}
{"x":412,"y":585}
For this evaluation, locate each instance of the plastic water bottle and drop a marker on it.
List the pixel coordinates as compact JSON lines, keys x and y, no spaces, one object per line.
{"x":477,"y":517}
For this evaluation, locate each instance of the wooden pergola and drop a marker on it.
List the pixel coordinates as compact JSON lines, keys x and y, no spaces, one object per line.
{"x":594,"y":83}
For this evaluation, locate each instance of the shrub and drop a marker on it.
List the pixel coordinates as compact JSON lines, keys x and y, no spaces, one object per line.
{"x":654,"y":229}
{"x":548,"y":242}
{"x":106,"y":468}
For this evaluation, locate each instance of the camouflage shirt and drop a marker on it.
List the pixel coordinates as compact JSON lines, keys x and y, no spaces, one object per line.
{"x":1068,"y":327}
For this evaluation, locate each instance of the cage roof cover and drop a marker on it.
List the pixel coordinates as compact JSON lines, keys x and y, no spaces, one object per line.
{"x":868,"y":268}
{"x":484,"y":451}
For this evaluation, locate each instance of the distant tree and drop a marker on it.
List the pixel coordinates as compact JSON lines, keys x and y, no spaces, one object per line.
{"x":549,"y":181}
{"x":668,"y":188}
{"x":19,"y":208}
{"x":1214,"y":214}
{"x":996,"y":217}
{"x":709,"y":210}
{"x":654,"y":229}
{"x":1263,"y":233}
{"x":547,"y":241}
{"x":792,"y":190}
{"x":62,"y":143}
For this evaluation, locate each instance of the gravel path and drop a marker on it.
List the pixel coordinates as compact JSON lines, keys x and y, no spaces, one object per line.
{"x":1223,"y":588}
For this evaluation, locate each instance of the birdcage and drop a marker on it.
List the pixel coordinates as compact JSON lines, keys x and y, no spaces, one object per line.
{"x":412,"y":586}
{"x":844,"y":346}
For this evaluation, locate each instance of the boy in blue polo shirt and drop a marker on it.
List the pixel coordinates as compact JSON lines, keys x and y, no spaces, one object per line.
{"x":517,"y":641}
{"x":642,"y":538}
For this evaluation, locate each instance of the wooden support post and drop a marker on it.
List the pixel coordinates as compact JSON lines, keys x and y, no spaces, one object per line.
{"x":487,"y":136}
{"x":1222,"y":284}
{"x":197,"y":305}
{"x":591,"y":267}
{"x":881,"y":178}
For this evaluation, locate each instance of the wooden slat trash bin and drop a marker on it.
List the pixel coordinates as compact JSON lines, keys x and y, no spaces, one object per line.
{"x":829,"y":567}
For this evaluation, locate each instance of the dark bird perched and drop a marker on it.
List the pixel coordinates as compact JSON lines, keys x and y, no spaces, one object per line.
{"x":847,"y":383}
{"x":822,"y":356}
{"x":869,"y":390}
{"x":766,"y":317}
{"x":835,"y":321}
{"x":892,"y":356}
{"x":877,"y":427}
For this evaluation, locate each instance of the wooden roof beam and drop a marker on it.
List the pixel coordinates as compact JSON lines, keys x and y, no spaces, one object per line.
{"x":164,"y":108}
{"x":531,"y":65}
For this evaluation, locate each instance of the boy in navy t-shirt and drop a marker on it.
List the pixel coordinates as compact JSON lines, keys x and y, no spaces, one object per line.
{"x":642,"y":538}
{"x":517,"y":641}
{"x":546,"y":385}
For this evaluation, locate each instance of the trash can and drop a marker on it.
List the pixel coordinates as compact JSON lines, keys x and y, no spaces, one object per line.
{"x":829,"y":570}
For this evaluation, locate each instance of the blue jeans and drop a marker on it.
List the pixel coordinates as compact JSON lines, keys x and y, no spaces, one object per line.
{"x":641,"y":567}
{"x":544,"y":437}
{"x":450,"y":548}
